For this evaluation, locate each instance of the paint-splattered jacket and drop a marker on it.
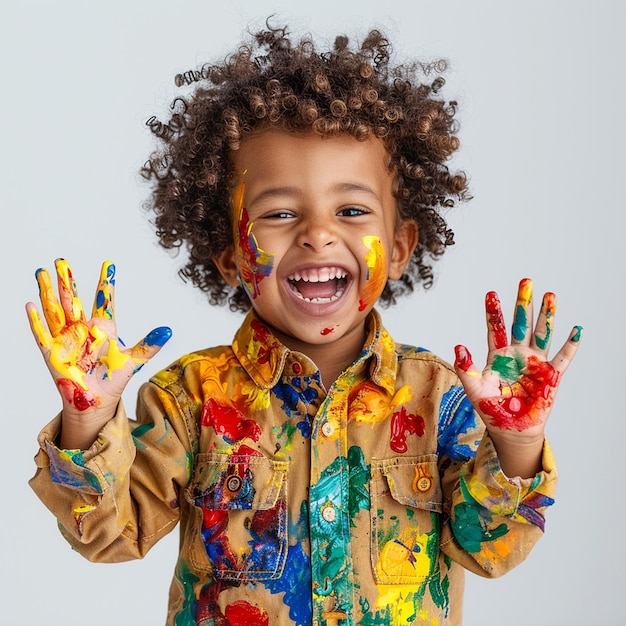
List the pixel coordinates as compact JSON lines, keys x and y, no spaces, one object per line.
{"x":360,"y":505}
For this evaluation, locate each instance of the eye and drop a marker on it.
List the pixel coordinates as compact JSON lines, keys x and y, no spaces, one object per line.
{"x":277,"y":215}
{"x":352,"y":211}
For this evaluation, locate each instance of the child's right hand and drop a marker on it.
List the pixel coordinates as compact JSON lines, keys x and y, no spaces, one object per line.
{"x":88,"y":362}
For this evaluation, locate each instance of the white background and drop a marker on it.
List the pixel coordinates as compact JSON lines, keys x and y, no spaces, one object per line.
{"x":542,"y":106}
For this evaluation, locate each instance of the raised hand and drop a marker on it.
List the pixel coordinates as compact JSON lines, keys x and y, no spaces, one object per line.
{"x":88,"y":362}
{"x":515,"y":391}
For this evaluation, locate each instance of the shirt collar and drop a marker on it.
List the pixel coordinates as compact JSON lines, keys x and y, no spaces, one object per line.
{"x":263,"y":356}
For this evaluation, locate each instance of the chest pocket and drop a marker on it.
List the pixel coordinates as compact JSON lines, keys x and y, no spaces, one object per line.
{"x":239,"y":530}
{"x":405,"y":514}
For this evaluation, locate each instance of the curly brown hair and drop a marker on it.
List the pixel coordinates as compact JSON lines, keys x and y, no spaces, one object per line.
{"x":272,"y":81}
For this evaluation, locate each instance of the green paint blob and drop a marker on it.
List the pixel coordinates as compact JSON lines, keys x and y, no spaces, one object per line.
{"x":509,"y":367}
{"x":520,"y":323}
{"x":576,"y":337}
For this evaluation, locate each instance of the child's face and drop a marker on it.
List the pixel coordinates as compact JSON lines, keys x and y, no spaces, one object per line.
{"x":316,"y":236}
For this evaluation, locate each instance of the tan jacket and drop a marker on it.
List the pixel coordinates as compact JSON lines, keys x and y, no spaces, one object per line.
{"x":360,"y":505}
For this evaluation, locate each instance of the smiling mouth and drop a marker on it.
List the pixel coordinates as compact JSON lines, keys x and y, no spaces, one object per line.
{"x":319,"y":285}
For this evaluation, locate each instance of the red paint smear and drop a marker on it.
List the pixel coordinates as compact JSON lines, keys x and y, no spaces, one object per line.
{"x":75,"y":395}
{"x":254,"y":263}
{"x":362,"y":305}
{"x":402,"y":425}
{"x":463,"y":358}
{"x":327,"y":331}
{"x":495,"y":319}
{"x":530,"y":396}
{"x":262,"y":335}
{"x":242,"y":613}
{"x":229,"y":422}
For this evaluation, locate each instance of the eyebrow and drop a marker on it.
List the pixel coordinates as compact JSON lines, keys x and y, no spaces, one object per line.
{"x":276,"y":192}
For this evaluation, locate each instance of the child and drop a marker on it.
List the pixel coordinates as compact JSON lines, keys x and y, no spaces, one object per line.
{"x":320,"y":473}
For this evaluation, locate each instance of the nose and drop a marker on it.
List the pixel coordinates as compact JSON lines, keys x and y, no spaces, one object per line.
{"x":317,"y":234}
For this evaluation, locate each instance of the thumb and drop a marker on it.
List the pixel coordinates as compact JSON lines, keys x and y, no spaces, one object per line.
{"x":145,"y":349}
{"x":464,"y":366}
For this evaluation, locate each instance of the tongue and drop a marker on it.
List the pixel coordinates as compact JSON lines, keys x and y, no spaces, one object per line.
{"x":310,"y":290}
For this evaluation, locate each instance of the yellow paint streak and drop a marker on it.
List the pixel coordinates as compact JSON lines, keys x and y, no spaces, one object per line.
{"x":525,"y":292}
{"x":53,"y":312}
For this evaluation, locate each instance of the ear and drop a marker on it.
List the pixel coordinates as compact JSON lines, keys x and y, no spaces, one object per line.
{"x":227,"y":265}
{"x":403,"y":247}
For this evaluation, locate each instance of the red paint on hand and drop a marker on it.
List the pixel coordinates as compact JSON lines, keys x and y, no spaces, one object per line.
{"x":495,"y":319}
{"x":523,"y":402}
{"x":463,"y":358}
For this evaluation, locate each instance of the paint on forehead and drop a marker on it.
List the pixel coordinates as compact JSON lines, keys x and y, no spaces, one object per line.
{"x":376,"y":274}
{"x":254,"y":263}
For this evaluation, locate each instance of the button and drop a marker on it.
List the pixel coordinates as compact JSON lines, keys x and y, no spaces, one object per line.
{"x":233,"y":484}
{"x":328,"y":512}
{"x":422,"y":481}
{"x":328,"y":429}
{"x":296,"y":368}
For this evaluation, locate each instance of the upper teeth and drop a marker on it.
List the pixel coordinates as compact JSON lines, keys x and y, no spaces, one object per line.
{"x":318,"y":275}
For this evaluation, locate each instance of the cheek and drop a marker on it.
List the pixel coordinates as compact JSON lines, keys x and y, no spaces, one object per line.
{"x":254,"y":264}
{"x":376,"y":277}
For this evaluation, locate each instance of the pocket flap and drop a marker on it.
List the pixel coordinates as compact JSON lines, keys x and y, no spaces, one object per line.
{"x":413,"y":481}
{"x":225,"y":481}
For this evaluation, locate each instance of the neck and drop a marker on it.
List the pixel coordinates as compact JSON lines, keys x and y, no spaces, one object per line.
{"x":331,"y":358}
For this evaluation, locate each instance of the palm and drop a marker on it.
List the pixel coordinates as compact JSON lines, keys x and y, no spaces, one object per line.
{"x":88,"y":362}
{"x":516,"y":389}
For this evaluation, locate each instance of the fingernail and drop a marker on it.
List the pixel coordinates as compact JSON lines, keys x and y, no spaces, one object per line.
{"x":158,"y":336}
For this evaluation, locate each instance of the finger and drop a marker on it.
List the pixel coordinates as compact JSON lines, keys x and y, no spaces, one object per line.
{"x":543,"y":329}
{"x":520,"y":330}
{"x":103,"y":301}
{"x":68,"y":293}
{"x":564,"y":356}
{"x":38,"y":328}
{"x":496,"y":330}
{"x":52,"y":309}
{"x":143,"y":351}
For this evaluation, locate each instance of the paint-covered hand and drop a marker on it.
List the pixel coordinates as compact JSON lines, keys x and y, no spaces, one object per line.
{"x":89,"y":363}
{"x":516,"y":390}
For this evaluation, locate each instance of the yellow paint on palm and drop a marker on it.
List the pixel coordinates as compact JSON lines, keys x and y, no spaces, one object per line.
{"x":115,"y":359}
{"x":67,"y":350}
{"x":376,"y":275}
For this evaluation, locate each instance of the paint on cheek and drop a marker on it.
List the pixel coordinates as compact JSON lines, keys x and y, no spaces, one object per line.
{"x":326,"y":331}
{"x":254,"y":263}
{"x":376,"y":275}
{"x":495,"y":320}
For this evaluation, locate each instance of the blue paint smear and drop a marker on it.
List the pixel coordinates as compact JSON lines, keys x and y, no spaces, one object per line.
{"x":456,"y":416}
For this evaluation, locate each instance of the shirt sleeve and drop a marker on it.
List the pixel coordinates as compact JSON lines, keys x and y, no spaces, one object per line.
{"x":491,"y":522}
{"x":114,"y":501}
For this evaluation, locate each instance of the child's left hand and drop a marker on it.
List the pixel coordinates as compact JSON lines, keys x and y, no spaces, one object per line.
{"x":516,"y":390}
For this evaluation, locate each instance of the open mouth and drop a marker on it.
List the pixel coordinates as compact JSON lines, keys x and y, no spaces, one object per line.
{"x":319,"y":285}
